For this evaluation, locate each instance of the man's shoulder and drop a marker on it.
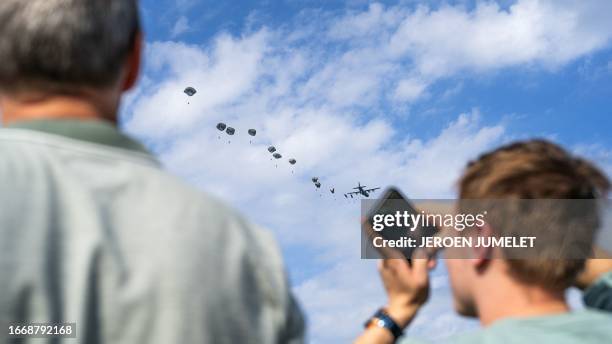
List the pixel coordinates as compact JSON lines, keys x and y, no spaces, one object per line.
{"x":99,"y":169}
{"x":584,"y":326}
{"x":123,"y":187}
{"x":36,"y":143}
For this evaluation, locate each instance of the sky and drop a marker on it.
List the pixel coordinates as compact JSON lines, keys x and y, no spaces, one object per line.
{"x":384,"y":93}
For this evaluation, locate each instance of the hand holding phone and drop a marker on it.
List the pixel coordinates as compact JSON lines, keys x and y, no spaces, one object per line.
{"x":393,"y":204}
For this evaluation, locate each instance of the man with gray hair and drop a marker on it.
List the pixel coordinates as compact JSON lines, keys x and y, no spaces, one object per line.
{"x":93,"y":232}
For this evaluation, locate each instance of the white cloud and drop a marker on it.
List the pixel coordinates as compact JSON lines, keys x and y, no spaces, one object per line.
{"x":600,"y":155}
{"x":432,"y":167}
{"x":180,"y":27}
{"x":444,"y":41}
{"x":409,"y":90}
{"x":547,"y":33}
{"x":381,"y":55}
{"x":220,"y":76}
{"x":372,"y":23}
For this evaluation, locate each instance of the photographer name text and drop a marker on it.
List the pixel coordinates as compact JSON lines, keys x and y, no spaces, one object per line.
{"x":456,"y":242}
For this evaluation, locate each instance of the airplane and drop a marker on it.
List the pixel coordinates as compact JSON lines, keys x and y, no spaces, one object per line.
{"x":361,"y":190}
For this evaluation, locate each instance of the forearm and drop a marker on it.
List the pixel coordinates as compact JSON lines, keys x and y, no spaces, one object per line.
{"x":407,"y":287}
{"x":375,"y":335}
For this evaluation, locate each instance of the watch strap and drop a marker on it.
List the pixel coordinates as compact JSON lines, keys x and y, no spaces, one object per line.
{"x":383,"y":320}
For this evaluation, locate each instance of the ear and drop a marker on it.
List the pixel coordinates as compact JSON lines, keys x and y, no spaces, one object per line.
{"x":133,"y":64}
{"x":482,"y":255}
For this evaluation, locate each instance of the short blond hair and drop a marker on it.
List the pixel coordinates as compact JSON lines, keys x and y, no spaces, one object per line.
{"x":536,"y":169}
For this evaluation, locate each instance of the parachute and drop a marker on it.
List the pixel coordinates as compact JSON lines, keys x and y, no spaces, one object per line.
{"x":271,"y":149}
{"x":315,"y":179}
{"x":252,"y":132}
{"x":221,"y":126}
{"x":277,"y":156}
{"x":318,"y":185}
{"x":230,"y":131}
{"x":190,"y":91}
{"x":292,"y":161}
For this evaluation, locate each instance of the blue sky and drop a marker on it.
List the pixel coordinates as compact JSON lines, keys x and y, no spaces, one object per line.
{"x":389,"y":92}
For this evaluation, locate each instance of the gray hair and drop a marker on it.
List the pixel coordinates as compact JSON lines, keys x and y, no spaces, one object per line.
{"x":58,"y":45}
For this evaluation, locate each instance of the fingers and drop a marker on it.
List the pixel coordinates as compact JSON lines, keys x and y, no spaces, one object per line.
{"x":394,"y":269}
{"x":420,"y":270}
{"x":385,"y":252}
{"x":419,"y":260}
{"x":427,"y":255}
{"x":432,"y":263}
{"x":393,"y":264}
{"x":388,"y":272}
{"x":382,"y":265}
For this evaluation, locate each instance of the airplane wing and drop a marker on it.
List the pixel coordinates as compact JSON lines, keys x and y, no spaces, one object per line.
{"x":353,"y":193}
{"x":372,"y":190}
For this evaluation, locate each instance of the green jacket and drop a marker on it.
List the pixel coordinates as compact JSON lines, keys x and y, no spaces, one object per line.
{"x":94,"y":232}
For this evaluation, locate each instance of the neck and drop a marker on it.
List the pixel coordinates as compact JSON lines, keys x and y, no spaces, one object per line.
{"x":509,"y":299}
{"x":25,"y":107}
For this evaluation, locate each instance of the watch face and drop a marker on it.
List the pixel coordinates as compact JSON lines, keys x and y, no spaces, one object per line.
{"x":381,"y":323}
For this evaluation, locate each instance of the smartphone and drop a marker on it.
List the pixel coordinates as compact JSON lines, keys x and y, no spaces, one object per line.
{"x":392,"y":201}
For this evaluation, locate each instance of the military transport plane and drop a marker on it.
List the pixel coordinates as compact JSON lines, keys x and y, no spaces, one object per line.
{"x":361,"y":190}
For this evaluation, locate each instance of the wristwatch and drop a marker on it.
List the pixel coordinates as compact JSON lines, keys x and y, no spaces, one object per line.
{"x":383,"y":320}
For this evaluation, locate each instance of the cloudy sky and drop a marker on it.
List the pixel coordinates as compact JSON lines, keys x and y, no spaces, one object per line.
{"x":383,"y":93}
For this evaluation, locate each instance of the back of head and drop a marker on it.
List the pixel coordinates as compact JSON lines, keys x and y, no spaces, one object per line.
{"x":57,"y":45}
{"x":535,"y":170}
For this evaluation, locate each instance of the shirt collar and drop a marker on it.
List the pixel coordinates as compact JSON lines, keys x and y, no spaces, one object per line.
{"x":94,"y":131}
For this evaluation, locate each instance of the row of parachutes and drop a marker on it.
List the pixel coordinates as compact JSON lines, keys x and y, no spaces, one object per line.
{"x":230,"y":131}
{"x":222,"y":127}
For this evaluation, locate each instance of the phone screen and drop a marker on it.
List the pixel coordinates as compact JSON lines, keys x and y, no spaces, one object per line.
{"x":392,"y":202}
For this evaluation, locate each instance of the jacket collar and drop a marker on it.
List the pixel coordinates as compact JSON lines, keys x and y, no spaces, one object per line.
{"x":94,"y":131}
